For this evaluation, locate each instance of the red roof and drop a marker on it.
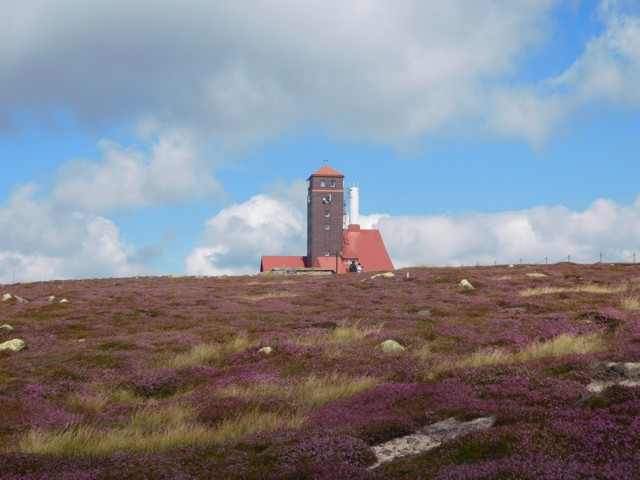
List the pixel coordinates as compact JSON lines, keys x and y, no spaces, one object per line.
{"x":326,"y":171}
{"x":367,"y":247}
{"x":269,"y":262}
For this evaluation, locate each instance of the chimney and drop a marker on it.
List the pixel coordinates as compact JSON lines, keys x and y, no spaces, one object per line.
{"x":354,"y":214}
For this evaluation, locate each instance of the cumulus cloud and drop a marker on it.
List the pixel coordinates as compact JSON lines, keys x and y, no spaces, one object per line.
{"x":539,"y":234}
{"x":127,"y":178}
{"x":247,"y":70}
{"x":234,"y":240}
{"x":39,"y":241}
{"x":607,"y":72}
{"x":267,"y":224}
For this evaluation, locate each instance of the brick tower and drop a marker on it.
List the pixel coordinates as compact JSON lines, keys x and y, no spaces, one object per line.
{"x":325,"y":210}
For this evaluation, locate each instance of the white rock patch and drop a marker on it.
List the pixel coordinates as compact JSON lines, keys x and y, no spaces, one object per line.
{"x":429,"y":437}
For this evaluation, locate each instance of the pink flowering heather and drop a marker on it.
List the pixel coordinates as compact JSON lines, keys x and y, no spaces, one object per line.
{"x":163,"y":378}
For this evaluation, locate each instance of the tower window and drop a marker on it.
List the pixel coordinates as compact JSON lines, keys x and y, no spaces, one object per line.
{"x":323,"y":183}
{"x":333,"y":183}
{"x":327,"y":226}
{"x":326,"y":254}
{"x":327,"y":213}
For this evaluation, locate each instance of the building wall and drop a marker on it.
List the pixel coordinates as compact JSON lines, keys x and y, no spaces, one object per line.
{"x":324,"y":217}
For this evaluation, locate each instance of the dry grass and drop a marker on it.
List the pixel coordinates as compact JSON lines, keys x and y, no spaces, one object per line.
{"x":342,"y":334}
{"x":565,"y":344}
{"x":630,"y":303}
{"x":151,"y":430}
{"x":424,"y":353}
{"x":207,"y":353}
{"x":309,"y":393}
{"x":88,"y":403}
{"x":590,"y":288}
{"x":264,"y":295}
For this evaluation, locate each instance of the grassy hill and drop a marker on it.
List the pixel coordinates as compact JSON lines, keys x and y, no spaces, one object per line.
{"x":167,"y":377}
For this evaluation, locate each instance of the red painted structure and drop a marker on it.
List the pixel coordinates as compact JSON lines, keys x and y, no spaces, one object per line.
{"x":329,"y":246}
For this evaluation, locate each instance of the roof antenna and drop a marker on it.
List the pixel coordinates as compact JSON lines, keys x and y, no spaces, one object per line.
{"x":326,"y":161}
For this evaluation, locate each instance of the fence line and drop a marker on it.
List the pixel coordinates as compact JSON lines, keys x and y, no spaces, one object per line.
{"x":600,"y":258}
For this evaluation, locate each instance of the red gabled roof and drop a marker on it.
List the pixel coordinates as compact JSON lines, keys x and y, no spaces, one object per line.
{"x":367,"y":247}
{"x":326,"y":171}
{"x":269,"y":262}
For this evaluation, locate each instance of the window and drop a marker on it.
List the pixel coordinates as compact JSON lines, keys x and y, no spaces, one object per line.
{"x":327,"y":213}
{"x":327,"y":226}
{"x":326,"y":254}
{"x":323,"y":183}
{"x":333,"y":184}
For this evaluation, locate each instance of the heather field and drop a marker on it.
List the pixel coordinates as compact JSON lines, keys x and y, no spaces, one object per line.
{"x":168,"y":378}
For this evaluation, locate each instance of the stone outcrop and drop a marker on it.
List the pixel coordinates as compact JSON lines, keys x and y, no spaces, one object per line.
{"x":6,"y":328}
{"x":607,"y":374}
{"x":427,"y":438}
{"x":466,"y":284}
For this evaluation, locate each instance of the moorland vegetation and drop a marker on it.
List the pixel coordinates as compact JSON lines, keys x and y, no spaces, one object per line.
{"x":165,"y":377}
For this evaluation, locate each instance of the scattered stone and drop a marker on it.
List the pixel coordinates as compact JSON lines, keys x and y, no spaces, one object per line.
{"x":608,"y":374}
{"x":427,"y":438}
{"x":266,"y":350}
{"x":82,"y":339}
{"x":6,"y":328}
{"x":7,"y":296}
{"x":631,"y":369}
{"x":64,"y":300}
{"x":14,"y":345}
{"x":536,"y":275}
{"x":391,"y":346}
{"x":51,"y":298}
{"x":466,"y":284}
{"x":384,"y":275}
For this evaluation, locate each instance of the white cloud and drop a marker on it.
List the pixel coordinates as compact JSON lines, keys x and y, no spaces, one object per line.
{"x":247,"y":70}
{"x":235,"y":239}
{"x":607,"y":72}
{"x":127,"y":178}
{"x":41,"y":240}
{"x":531,"y":235}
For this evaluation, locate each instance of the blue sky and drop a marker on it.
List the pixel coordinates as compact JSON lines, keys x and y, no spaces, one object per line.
{"x":145,"y":138}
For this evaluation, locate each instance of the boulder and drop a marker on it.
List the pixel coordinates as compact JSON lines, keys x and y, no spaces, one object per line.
{"x":14,"y":345}
{"x":466,"y":284}
{"x":266,"y":350}
{"x":6,"y":297}
{"x":6,"y":328}
{"x":391,"y":346}
{"x":64,"y":300}
{"x":51,"y":298}
{"x":384,"y":275}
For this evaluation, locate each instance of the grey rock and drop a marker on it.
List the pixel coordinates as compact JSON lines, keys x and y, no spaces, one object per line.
{"x":427,"y":438}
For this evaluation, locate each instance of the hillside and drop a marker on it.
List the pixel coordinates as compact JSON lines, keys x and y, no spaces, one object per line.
{"x":162,"y":377}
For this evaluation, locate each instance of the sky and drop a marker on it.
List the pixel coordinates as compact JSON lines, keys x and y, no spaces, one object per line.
{"x":145,"y":137}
